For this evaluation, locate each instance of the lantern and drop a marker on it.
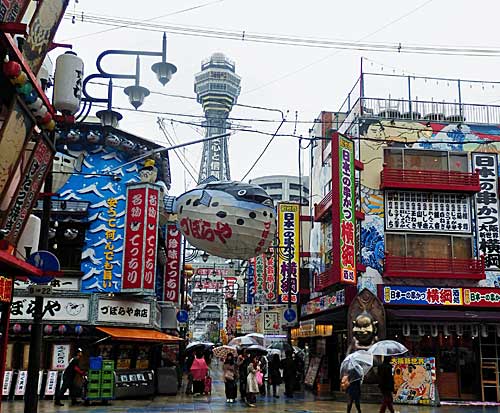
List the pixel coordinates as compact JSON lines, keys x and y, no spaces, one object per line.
{"x":78,"y":329}
{"x":17,"y":328}
{"x":227,"y":219}
{"x":29,"y":328}
{"x":48,"y":329}
{"x":68,"y":83}
{"x":62,"y":329}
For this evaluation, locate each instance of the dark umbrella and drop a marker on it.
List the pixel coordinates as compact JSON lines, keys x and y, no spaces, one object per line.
{"x":255,"y":348}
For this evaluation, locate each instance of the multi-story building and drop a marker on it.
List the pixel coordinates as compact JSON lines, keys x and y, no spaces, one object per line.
{"x":424,"y":174}
{"x":285,"y":187}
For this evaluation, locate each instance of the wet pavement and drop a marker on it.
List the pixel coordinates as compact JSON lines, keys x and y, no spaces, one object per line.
{"x":301,"y":403}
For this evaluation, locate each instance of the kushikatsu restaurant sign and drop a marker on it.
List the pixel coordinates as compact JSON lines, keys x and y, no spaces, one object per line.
{"x":141,"y":237}
{"x":123,"y":312}
{"x":172,"y":267}
{"x":487,"y":230}
{"x":458,"y":296}
{"x":54,"y":308}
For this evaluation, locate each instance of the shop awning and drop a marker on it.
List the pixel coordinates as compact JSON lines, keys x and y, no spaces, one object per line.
{"x":443,"y":315}
{"x":139,"y":334}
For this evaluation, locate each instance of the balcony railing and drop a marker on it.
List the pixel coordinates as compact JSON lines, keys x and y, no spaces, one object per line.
{"x":450,"y":268}
{"x":323,"y":208}
{"x":429,"y":180}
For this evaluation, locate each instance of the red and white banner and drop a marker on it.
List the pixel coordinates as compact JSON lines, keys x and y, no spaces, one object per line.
{"x":172,"y":268}
{"x":141,"y":237}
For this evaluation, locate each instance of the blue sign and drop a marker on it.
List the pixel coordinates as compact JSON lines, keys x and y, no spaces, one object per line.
{"x":250,"y":284}
{"x":182,"y":316}
{"x":46,"y":261}
{"x":290,"y":315}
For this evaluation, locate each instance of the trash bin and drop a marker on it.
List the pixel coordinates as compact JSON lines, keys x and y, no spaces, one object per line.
{"x":167,"y":380}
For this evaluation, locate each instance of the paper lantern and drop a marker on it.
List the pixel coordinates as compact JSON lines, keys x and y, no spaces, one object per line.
{"x":62,"y":329}
{"x":20,"y":80}
{"x":68,"y":83}
{"x":48,"y":329}
{"x":17,"y":328}
{"x":29,"y":328}
{"x":31,"y":98}
{"x":227,"y":219}
{"x":25,"y":89}
{"x":11,"y":69}
{"x":78,"y":329}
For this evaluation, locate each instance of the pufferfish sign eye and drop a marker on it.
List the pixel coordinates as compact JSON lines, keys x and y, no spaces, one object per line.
{"x":242,"y":192}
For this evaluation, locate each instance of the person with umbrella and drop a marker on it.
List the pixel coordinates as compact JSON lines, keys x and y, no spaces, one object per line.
{"x":230,"y":373}
{"x":71,"y":372}
{"x":354,"y":394}
{"x":386,"y":384}
{"x":275,"y":373}
{"x":252,"y":385}
{"x":243,"y":361}
{"x":289,"y":373}
{"x":199,"y":371}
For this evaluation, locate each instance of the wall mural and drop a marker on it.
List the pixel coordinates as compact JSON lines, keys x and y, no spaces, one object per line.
{"x":417,"y":135}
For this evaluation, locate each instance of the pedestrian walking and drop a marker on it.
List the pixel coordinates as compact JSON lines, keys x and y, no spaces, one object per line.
{"x":386,"y":384}
{"x":243,"y":361}
{"x":263,"y":373}
{"x":275,"y":374}
{"x":289,"y":373}
{"x":199,"y":371}
{"x":354,"y":394}
{"x":230,"y":373}
{"x":252,"y":385}
{"x":70,"y":375}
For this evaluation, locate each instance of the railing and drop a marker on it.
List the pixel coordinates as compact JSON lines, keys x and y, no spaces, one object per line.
{"x":321,"y":209}
{"x":451,"y":268}
{"x":431,"y":111}
{"x":429,"y":180}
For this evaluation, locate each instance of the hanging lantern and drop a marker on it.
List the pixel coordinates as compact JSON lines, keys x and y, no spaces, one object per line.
{"x":460,"y":330}
{"x":17,"y":328}
{"x":50,"y":126}
{"x":406,"y":329}
{"x":20,"y":80}
{"x":227,"y":219}
{"x":421,"y":330}
{"x":62,"y":329}
{"x":10,"y":68}
{"x":446,"y":330}
{"x":48,"y":329}
{"x":29,"y":328}
{"x":67,"y":83}
{"x":434,"y":330}
{"x":484,"y":331}
{"x":25,"y":89}
{"x":474,"y":331}
{"x":78,"y":329}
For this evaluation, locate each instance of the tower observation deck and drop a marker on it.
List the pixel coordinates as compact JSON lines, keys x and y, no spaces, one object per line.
{"x":217,"y":87}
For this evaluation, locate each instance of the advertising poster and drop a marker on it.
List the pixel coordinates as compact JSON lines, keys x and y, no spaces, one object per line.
{"x":289,"y":254}
{"x":415,"y":380}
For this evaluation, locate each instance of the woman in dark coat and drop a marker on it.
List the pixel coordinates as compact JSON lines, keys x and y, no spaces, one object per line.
{"x":274,"y":373}
{"x":354,"y":393}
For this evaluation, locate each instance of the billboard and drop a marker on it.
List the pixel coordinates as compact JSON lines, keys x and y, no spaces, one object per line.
{"x":487,"y":230}
{"x":289,"y":251}
{"x":172,"y":267}
{"x":415,"y":380}
{"x":141,"y":237}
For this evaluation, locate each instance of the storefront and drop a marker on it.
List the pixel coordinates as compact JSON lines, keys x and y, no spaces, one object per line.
{"x":456,"y":327}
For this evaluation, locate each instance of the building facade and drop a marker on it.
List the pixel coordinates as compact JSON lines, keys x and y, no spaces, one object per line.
{"x":285,"y":187}
{"x":426,"y":229}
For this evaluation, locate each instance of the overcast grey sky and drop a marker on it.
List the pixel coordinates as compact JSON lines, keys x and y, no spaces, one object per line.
{"x":293,"y":78}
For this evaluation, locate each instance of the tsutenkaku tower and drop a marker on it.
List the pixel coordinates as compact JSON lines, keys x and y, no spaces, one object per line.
{"x":217,"y":87}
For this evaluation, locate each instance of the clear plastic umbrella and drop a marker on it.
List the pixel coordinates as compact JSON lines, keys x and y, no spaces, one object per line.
{"x":387,"y":348}
{"x":356,"y":365}
{"x":257,"y":337}
{"x":243,"y":341}
{"x":255,"y":348}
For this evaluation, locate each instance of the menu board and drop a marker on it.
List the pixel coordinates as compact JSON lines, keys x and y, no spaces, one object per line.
{"x":312,"y":371}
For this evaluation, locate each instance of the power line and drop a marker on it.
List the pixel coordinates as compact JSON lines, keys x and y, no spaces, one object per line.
{"x":240,"y":35}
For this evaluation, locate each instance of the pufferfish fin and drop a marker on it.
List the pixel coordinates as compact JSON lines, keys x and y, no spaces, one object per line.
{"x":205,"y":199}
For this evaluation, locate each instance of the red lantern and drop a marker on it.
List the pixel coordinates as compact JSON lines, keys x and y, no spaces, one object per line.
{"x":62,"y":329}
{"x":17,"y":328}
{"x":46,"y":118}
{"x":48,"y":329}
{"x":11,"y":69}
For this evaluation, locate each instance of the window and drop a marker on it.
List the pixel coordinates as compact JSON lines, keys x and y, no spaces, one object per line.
{"x":272,"y":186}
{"x":428,"y":246}
{"x":276,"y":197}
{"x":297,"y":187}
{"x":425,"y":160}
{"x":295,"y":198}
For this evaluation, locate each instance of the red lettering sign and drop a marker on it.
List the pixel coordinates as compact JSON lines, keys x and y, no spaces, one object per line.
{"x":172,"y":268}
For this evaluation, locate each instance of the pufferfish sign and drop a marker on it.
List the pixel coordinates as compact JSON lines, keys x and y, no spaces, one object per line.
{"x":227,"y":219}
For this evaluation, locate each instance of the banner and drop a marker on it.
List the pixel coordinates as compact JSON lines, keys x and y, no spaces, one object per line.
{"x":248,"y":318}
{"x":141,"y":237}
{"x":173,"y":265}
{"x":415,"y":380}
{"x":123,"y":312}
{"x":68,"y":309}
{"x":5,"y":289}
{"x":347,"y":204}
{"x":487,"y":229}
{"x":289,"y":251}
{"x":250,"y":284}
{"x":324,"y":303}
{"x":12,"y":10}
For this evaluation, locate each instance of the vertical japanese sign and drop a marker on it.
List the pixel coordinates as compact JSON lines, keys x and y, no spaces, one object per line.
{"x":172,"y":268}
{"x":289,"y":254}
{"x":488,"y":234}
{"x":347,"y":204}
{"x":109,"y":246}
{"x":27,"y":191}
{"x":5,"y":289}
{"x":141,"y":237}
{"x":250,"y":284}
{"x":269,"y":279}
{"x":260,"y":297}
{"x":60,"y":356}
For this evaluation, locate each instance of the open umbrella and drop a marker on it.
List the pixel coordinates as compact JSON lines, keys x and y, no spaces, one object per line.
{"x":282,"y":346}
{"x":222,"y":351}
{"x":257,"y":337}
{"x":387,"y":348}
{"x":195,"y":345}
{"x":356,"y":365}
{"x":243,"y":341}
{"x":255,"y":348}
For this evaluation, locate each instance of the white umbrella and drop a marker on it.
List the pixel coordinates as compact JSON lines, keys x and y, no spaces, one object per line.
{"x":243,"y":341}
{"x":257,"y":337}
{"x":387,"y":348}
{"x":356,"y":365}
{"x":255,"y":348}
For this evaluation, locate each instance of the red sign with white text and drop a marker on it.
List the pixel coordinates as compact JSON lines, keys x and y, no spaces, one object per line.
{"x":151,"y":237}
{"x":133,"y":264}
{"x":172,"y":268}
